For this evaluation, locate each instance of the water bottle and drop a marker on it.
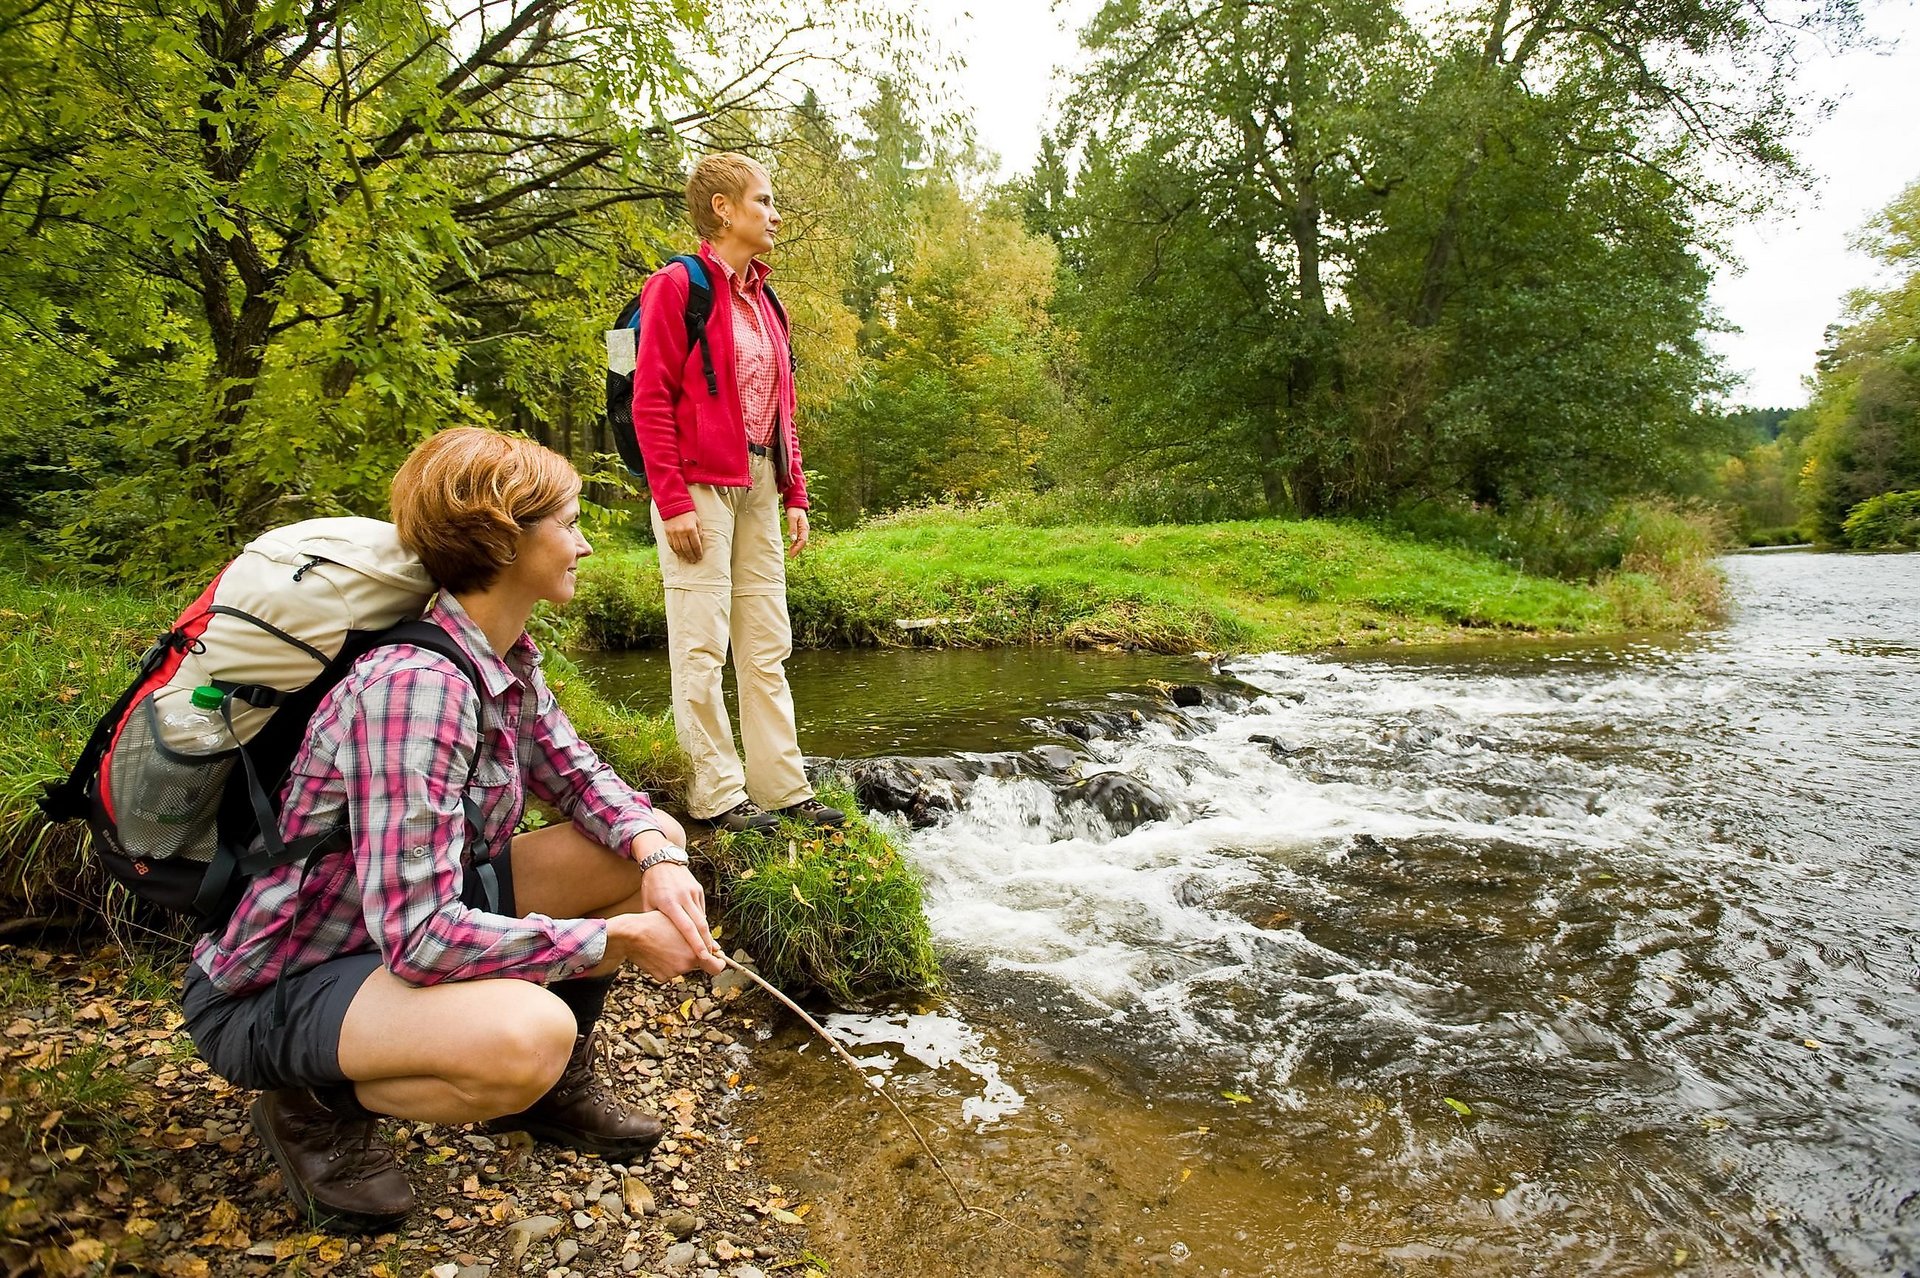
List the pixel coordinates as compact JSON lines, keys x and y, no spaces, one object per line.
{"x":197,"y":728}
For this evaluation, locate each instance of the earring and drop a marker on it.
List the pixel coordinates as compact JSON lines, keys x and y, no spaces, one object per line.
{"x":726,"y":224}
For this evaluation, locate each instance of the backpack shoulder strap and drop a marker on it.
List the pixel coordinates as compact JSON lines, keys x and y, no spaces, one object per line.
{"x":699,"y":310}
{"x":786,"y":327}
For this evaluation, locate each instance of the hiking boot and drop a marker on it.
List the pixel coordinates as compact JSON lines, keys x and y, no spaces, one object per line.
{"x":336,"y":1165}
{"x":813,"y":812}
{"x":581,"y":1112}
{"x":744,"y":817}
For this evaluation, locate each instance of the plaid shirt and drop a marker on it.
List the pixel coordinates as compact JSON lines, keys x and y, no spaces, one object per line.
{"x":755,"y":349}
{"x":387,"y":753}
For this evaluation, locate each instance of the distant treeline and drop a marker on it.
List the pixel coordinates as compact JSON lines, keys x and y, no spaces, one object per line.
{"x":1345,"y":257}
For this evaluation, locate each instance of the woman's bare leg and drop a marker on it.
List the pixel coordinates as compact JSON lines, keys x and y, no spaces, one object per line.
{"x":563,"y":874}
{"x":454,"y":1053}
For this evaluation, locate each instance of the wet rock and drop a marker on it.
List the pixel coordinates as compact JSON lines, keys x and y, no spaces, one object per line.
{"x":1275,"y":747}
{"x":1125,"y":801}
{"x":920,"y":789}
{"x":1186,"y":694}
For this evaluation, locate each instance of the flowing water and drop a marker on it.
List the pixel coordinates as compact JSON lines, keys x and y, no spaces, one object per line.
{"x":1511,"y":958}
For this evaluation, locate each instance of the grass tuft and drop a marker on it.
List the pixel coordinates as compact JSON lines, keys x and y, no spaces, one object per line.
{"x":837,"y":911}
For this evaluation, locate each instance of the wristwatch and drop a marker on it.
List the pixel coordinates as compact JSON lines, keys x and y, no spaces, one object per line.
{"x":666,"y":853}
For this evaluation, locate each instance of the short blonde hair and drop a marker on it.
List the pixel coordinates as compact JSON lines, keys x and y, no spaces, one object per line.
{"x":462,"y":499}
{"x":724,"y":174}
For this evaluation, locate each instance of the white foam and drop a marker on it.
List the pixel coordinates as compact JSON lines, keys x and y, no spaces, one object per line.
{"x":938,"y":1042}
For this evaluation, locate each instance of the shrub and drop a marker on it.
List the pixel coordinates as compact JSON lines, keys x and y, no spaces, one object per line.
{"x":1891,"y":519}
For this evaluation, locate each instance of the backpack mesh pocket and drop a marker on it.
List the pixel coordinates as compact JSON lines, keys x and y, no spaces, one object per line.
{"x":164,"y":802}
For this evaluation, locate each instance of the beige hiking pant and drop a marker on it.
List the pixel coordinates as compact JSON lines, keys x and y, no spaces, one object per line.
{"x":736,"y":593}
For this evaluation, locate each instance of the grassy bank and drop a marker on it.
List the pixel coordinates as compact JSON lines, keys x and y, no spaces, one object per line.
{"x":981,"y":577}
{"x":69,"y":651}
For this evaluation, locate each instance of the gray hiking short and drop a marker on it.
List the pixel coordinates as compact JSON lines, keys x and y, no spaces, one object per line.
{"x":238,"y":1038}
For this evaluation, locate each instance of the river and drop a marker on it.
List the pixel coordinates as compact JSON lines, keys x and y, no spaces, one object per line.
{"x":1516,"y":957}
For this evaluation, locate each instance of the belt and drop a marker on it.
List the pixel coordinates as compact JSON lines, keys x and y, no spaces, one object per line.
{"x":762,"y":450}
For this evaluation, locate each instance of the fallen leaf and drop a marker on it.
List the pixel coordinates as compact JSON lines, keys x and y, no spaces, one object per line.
{"x":786,"y":1217}
{"x":1816,"y":1046}
{"x":1238,"y":1098}
{"x":1459,"y":1107}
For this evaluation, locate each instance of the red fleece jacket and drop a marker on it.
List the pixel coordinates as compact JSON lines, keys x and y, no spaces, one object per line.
{"x":687,"y":436}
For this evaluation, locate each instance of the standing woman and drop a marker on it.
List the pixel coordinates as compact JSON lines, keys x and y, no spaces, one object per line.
{"x":714,"y":422}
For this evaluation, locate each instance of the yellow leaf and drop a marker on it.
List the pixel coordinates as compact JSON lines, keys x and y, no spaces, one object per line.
{"x":1238,"y":1098}
{"x":224,"y":1216}
{"x":73,"y":1153}
{"x":87,"y":1250}
{"x":714,"y":931}
{"x":1186,"y":1174}
{"x":1811,"y":1043}
{"x":785,"y":1217}
{"x":685,"y":1009}
{"x":333,"y":1250}
{"x":803,"y":1209}
{"x":1679,"y":1255}
{"x":795,"y":889}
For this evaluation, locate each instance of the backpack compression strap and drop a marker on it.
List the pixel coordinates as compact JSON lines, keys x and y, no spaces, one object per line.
{"x":67,"y":800}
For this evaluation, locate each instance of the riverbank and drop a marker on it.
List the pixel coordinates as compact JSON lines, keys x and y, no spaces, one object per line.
{"x":978,"y":578}
{"x":121,"y":1153}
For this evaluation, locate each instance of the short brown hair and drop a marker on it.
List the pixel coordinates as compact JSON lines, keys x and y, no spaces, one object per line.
{"x":462,"y":498}
{"x":724,"y":174}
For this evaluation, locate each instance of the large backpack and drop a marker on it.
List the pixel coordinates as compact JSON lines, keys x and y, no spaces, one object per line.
{"x":623,"y":353}
{"x":176,"y":787}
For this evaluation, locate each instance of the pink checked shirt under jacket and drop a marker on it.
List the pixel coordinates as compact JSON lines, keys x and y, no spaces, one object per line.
{"x":755,"y":350}
{"x":389,"y":750}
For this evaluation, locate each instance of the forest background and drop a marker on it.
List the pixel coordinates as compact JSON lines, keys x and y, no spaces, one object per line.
{"x":1442,"y":266}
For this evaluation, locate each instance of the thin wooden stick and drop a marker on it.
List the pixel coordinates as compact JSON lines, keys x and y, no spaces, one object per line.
{"x":952,"y":1184}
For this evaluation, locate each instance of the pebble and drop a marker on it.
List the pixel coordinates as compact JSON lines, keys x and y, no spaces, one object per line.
{"x":448,"y":1270}
{"x":475,"y":1271}
{"x":529,"y":1231}
{"x":650,"y":1043}
{"x":679,"y":1257}
{"x":630,"y":1263}
{"x":681,"y":1224}
{"x":748,"y":1271}
{"x":565,"y":1250}
{"x":582,"y":1221}
{"x":611,"y":1204}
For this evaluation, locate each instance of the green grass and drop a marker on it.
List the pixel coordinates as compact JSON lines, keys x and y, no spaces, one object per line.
{"x":839,"y":912}
{"x":984,"y":578}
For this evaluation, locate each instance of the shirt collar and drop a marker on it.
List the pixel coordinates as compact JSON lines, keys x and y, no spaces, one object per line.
{"x":757,"y":270}
{"x":497,"y":674}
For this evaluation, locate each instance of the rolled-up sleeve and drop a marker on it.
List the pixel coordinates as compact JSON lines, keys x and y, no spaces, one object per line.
{"x":564,"y":770}
{"x":408,"y":754}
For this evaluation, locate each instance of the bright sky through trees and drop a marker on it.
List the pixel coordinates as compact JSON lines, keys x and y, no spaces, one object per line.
{"x":1798,"y":264}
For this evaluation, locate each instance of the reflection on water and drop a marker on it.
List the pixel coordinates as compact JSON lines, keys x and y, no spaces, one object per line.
{"x":866,"y":702}
{"x":1520,"y":958}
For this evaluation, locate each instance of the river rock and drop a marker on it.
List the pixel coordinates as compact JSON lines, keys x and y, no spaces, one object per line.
{"x":1186,"y":694}
{"x":679,"y":1257}
{"x":527,"y":1232}
{"x":565,"y":1250}
{"x":1275,"y":747}
{"x":919,"y":789}
{"x":681,"y":1224}
{"x":1125,"y":801}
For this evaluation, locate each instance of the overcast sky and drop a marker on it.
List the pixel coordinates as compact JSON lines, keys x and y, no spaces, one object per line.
{"x":1797,"y":264}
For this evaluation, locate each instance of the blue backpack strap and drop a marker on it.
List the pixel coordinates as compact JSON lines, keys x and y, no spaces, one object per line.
{"x":699,"y":310}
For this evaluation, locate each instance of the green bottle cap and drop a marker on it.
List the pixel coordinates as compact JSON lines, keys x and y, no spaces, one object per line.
{"x":208,"y":697}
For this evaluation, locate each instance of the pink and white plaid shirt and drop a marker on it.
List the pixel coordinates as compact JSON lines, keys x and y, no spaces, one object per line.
{"x":388,"y":752}
{"x":757,"y":345}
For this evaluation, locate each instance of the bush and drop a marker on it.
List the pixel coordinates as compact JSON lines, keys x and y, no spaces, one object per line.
{"x":1554,"y":539}
{"x":1891,"y":519}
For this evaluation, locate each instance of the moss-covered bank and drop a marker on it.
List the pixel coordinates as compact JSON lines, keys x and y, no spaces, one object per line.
{"x":978,"y":578}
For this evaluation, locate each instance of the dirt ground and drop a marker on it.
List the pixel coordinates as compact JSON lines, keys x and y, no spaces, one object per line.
{"x":121,"y":1153}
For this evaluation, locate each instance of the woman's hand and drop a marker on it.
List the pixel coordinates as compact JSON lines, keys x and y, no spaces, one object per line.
{"x":796,"y":531}
{"x":672,"y":890}
{"x":683,"y":535}
{"x":654,"y":945}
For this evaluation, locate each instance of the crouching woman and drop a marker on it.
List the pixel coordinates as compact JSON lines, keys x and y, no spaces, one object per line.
{"x":391,"y":978}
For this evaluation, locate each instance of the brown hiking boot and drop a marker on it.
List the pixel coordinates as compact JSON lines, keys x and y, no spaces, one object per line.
{"x":336,"y":1164}
{"x":813,"y":812}
{"x":581,"y":1112}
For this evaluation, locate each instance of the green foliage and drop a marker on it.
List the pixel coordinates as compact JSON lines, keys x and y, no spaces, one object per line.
{"x":838,"y":911}
{"x":1554,"y":539}
{"x":1891,"y":519}
{"x":1863,"y":425}
{"x":1363,"y":262}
